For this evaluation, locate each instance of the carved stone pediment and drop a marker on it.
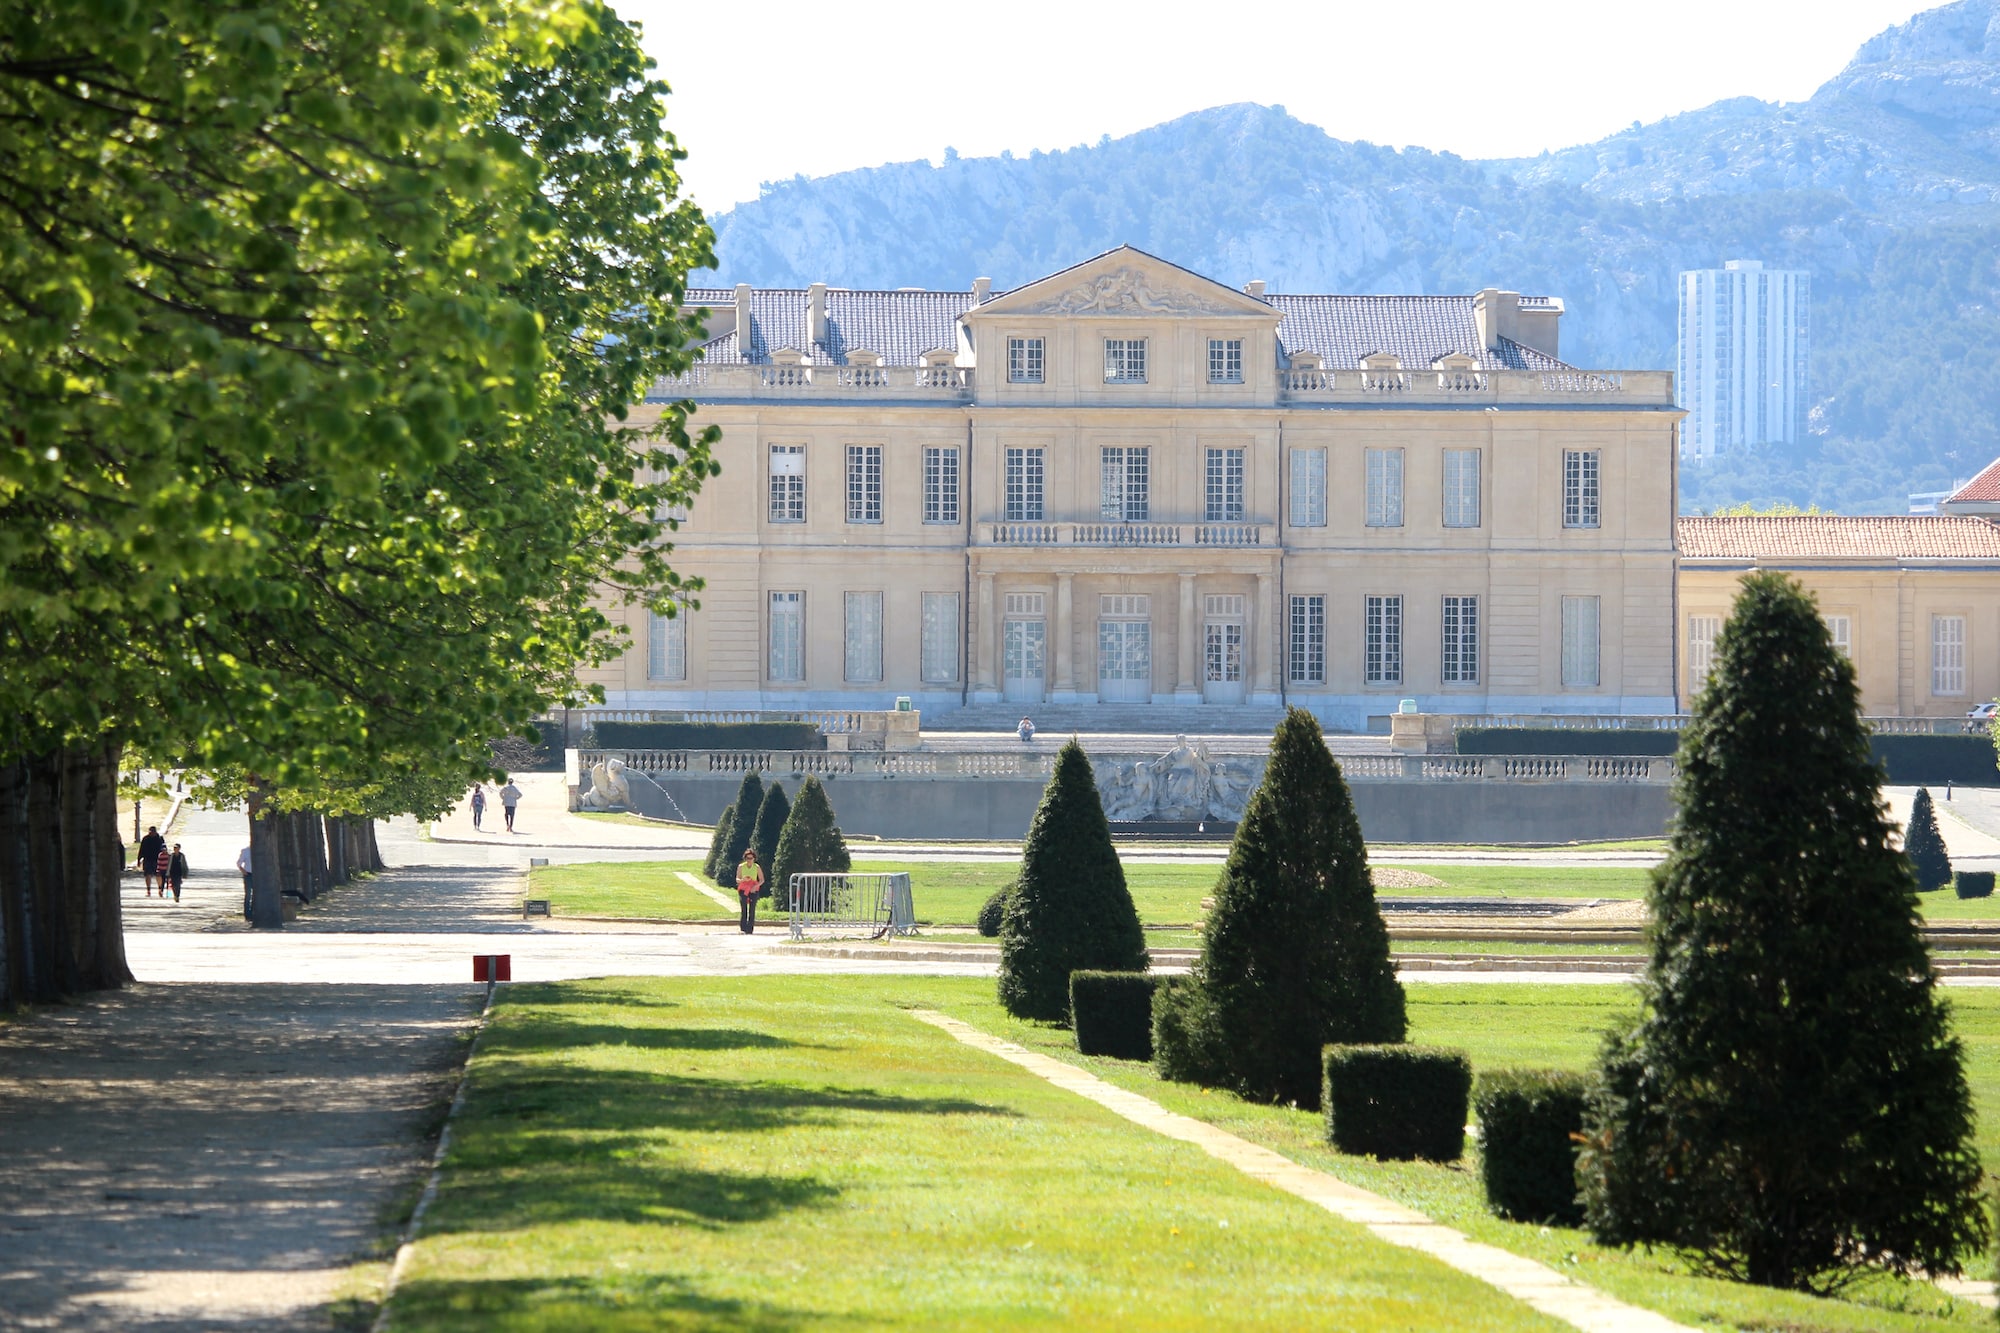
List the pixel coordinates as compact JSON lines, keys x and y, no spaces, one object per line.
{"x":1128,"y":291}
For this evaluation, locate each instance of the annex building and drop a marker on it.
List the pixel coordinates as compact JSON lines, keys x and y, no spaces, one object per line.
{"x":1128,"y":485}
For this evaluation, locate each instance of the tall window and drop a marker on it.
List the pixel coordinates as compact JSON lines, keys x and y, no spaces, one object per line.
{"x":1580,"y":488}
{"x":666,"y":646}
{"x":1124,"y":360}
{"x":1024,"y":485}
{"x":1225,"y":360}
{"x":862,"y":637}
{"x":1947,"y":654}
{"x":940,"y":485}
{"x":864,"y":483}
{"x":1701,"y":650}
{"x":1124,"y":491}
{"x":788,"y":636}
{"x":1460,"y":658}
{"x":1461,"y":488}
{"x":1385,"y":488}
{"x":1580,"y":654}
{"x":1024,"y":360}
{"x":1382,"y":662}
{"x":1308,"y":640}
{"x":1841,"y":628}
{"x":1223,"y":488}
{"x":788,"y":483}
{"x":941,"y":638}
{"x":1308,"y":488}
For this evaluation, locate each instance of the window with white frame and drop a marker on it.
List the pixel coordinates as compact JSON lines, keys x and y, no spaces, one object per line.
{"x":1222,"y":487}
{"x":1385,"y":488}
{"x":1580,"y":642}
{"x":666,"y":646}
{"x":940,"y":485}
{"x":1580,"y":488}
{"x":1024,"y":485}
{"x":1382,"y":633}
{"x":1461,"y":488}
{"x":1702,"y":632}
{"x":1308,"y":488}
{"x":788,"y":483}
{"x":862,"y":637}
{"x":1124,"y":360}
{"x":1125,"y":478}
{"x":941,"y":638}
{"x":1225,"y":360}
{"x":1024,"y":360}
{"x":788,"y":636}
{"x":1459,"y":661}
{"x":864,"y":483}
{"x":1947,"y":654}
{"x":1841,"y":630}
{"x":1307,"y":655}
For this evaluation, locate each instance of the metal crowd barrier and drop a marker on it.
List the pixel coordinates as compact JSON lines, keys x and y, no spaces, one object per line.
{"x":849,"y":904}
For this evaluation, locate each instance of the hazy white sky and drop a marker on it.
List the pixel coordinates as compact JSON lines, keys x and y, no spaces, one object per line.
{"x":765,"y":91}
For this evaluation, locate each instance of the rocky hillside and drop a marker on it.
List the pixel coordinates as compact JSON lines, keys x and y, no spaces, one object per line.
{"x":1885,"y":185}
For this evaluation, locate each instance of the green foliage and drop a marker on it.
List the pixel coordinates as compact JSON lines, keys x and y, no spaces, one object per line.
{"x":1397,"y":1102}
{"x":1187,"y":1039}
{"x":1964,"y":760}
{"x":1973,"y":883}
{"x":1112,"y":1013}
{"x":1790,"y":1102}
{"x":1565,"y":740}
{"x":718,"y":845}
{"x":992,"y":912}
{"x":771,"y":817}
{"x":707,"y":736}
{"x":810,"y":844}
{"x":1295,"y":955}
{"x":742,"y":829}
{"x":1924,"y":845}
{"x":1530,"y":1122}
{"x":1069,"y":910}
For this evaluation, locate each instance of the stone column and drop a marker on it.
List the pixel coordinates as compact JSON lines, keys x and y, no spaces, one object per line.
{"x":1258,"y":638}
{"x":1065,"y":676}
{"x":986,"y":641}
{"x":1187,"y":683}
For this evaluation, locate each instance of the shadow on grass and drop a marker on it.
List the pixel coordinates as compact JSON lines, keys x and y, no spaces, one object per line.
{"x":518,"y":1035}
{"x":611,"y":1180}
{"x":608,"y":1305}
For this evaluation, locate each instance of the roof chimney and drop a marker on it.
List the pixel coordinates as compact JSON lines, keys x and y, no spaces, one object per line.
{"x":743,"y":330}
{"x":1493,"y":311}
{"x":1255,"y":287}
{"x":816,"y":313}
{"x":982,"y":290}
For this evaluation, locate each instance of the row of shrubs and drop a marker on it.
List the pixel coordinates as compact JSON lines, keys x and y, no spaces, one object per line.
{"x":1396,"y":1102}
{"x":1967,"y":760}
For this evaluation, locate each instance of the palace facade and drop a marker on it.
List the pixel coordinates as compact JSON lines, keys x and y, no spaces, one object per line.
{"x":1127,"y":484}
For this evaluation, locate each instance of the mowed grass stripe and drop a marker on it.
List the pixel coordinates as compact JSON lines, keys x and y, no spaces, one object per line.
{"x":768,"y":1153}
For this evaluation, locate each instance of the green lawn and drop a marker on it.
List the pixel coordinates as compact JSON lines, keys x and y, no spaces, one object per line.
{"x":784,"y":1152}
{"x":624,"y":889}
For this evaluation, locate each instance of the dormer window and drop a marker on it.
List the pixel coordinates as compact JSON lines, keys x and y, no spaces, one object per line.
{"x":1024,"y":360}
{"x":1124,"y":360}
{"x":788,"y":356}
{"x":857,"y":357}
{"x":938,"y":369}
{"x":1225,"y":360}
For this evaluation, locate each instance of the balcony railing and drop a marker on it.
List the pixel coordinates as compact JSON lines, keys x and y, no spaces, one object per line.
{"x":813,"y":381}
{"x":1238,"y":535}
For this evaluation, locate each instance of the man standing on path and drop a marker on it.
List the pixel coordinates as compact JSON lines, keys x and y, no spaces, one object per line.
{"x":149,"y":855}
{"x":177,"y":871}
{"x":243,"y":869}
{"x":478,"y":804}
{"x":510,"y":796}
{"x":749,"y":883}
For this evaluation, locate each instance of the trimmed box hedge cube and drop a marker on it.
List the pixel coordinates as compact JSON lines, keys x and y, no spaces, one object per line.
{"x":1528,"y":1120}
{"x":1397,"y":1102}
{"x":1973,"y":883}
{"x":1112,"y":1013}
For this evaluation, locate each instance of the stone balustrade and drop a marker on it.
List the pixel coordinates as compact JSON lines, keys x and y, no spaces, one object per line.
{"x":1121,"y":534}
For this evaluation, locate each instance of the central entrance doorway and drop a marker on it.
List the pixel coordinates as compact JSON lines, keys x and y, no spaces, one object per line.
{"x":1023,"y":648}
{"x":1222,"y":650}
{"x":1125,"y":650}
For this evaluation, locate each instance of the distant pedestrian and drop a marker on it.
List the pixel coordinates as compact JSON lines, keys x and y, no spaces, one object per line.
{"x":478,"y":803}
{"x":243,"y":869}
{"x":1026,"y":731}
{"x":164,"y":865}
{"x":749,"y":883}
{"x":510,"y":796}
{"x":149,"y":855}
{"x":177,"y":871}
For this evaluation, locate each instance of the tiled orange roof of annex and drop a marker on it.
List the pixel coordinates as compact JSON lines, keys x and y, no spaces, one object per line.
{"x":1775,"y":538}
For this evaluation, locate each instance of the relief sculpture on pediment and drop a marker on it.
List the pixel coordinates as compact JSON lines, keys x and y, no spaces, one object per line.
{"x":1126,"y":292}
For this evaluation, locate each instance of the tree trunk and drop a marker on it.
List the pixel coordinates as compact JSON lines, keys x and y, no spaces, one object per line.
{"x":371,"y":853}
{"x":61,"y":923}
{"x":317,"y":879}
{"x":267,"y":904}
{"x":336,"y":851}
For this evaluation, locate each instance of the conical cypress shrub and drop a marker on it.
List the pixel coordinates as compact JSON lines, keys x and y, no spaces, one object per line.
{"x":810,"y":843}
{"x":1070,"y":910}
{"x":1294,"y":954}
{"x":718,"y":844}
{"x":1789,"y":1104}
{"x":749,"y":799}
{"x":771,"y":817}
{"x":1924,"y":845}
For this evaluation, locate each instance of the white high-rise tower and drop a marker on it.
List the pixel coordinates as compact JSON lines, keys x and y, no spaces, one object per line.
{"x":1743,"y":357}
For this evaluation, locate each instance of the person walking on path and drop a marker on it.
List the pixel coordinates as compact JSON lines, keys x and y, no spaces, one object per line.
{"x":149,"y":855}
{"x":510,"y":796}
{"x":243,"y":869}
{"x":177,"y":871}
{"x":163,"y":861}
{"x":749,"y":883}
{"x":478,"y":803}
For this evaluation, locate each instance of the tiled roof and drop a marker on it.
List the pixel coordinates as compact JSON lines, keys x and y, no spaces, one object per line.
{"x":1418,"y":329}
{"x":1982,"y":489}
{"x":1829,"y":536}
